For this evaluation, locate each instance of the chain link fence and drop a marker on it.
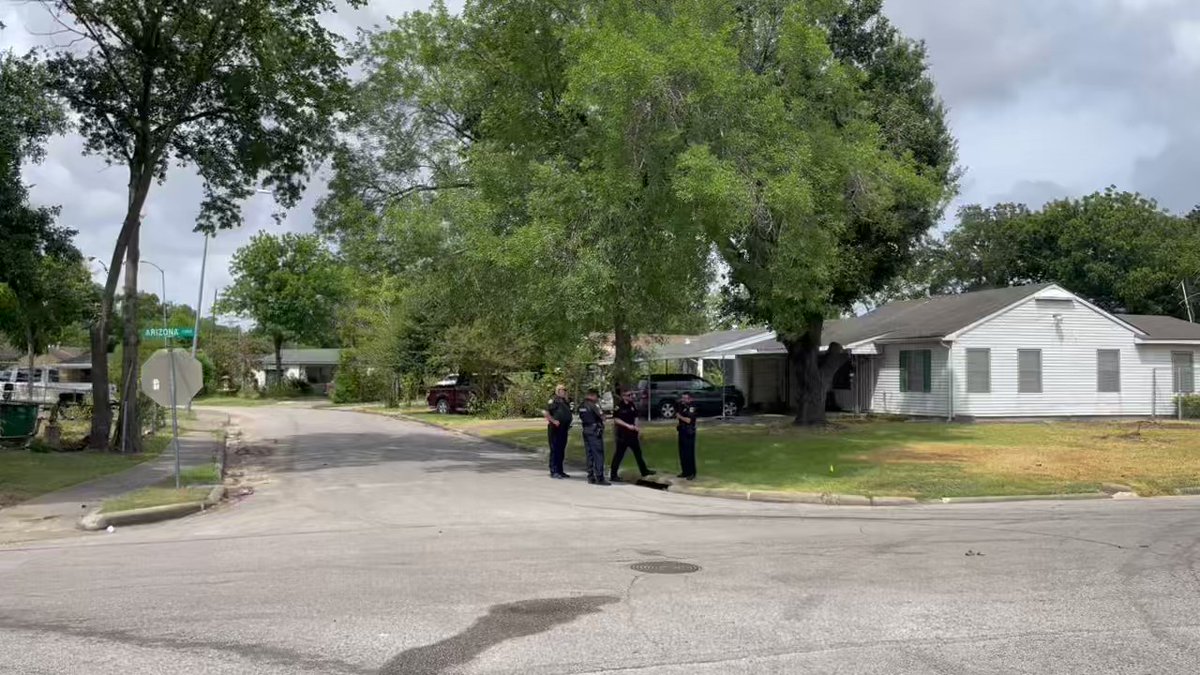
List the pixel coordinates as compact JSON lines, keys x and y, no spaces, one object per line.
{"x":1173,"y":393}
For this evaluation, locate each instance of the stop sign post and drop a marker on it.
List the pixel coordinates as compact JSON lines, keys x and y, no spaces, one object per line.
{"x":184,"y":377}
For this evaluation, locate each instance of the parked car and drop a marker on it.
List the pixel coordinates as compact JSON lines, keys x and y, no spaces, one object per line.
{"x":661,"y":394}
{"x":453,"y":394}
{"x":47,"y":387}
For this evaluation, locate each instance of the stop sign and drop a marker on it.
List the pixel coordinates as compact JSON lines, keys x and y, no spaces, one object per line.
{"x":156,"y":377}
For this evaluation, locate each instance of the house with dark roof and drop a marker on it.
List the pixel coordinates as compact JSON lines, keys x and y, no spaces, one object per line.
{"x":1025,"y":351}
{"x":317,"y":367}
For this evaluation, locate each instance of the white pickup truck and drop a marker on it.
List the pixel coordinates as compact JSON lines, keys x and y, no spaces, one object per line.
{"x":47,"y":387}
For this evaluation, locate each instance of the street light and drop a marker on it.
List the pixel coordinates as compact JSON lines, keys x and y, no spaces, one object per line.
{"x":99,"y":262}
{"x":200,"y":292}
{"x":170,"y":352}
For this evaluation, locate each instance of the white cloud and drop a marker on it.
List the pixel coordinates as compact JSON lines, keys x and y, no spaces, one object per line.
{"x":1185,"y":36}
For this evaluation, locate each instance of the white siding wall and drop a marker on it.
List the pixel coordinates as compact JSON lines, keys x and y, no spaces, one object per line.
{"x":1069,"y":348}
{"x":295,"y":372}
{"x":889,"y":399}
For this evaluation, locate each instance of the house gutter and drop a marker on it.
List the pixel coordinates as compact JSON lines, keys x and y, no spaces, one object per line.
{"x":949,"y":379}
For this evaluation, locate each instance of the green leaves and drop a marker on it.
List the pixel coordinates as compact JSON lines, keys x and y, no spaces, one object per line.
{"x":245,"y":91}
{"x":290,"y":285}
{"x":1118,"y":249}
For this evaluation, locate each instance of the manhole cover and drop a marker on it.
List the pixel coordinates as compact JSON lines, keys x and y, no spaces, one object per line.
{"x":665,"y":567}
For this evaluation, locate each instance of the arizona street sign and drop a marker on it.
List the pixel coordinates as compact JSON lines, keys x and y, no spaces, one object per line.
{"x":156,"y":377}
{"x":182,"y":333}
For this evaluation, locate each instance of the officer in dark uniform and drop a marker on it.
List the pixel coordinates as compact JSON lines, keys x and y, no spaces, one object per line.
{"x":628,"y":436}
{"x":558,"y":422}
{"x":685,"y":425}
{"x":592,"y":420}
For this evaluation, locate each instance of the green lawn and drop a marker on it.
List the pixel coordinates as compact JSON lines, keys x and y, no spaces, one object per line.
{"x":153,"y":496}
{"x":165,"y":493}
{"x":917,"y":459}
{"x":25,"y":475}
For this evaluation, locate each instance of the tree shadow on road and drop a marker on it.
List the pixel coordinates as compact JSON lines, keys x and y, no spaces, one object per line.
{"x":501,"y":623}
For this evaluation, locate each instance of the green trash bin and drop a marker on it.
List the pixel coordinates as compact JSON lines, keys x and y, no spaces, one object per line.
{"x":18,"y":421}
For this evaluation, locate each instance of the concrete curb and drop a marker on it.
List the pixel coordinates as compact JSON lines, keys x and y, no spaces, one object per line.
{"x":1021,"y":498}
{"x":151,"y":514}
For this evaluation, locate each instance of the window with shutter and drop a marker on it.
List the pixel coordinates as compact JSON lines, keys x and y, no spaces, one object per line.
{"x":926,"y":370}
{"x":1108,"y":370}
{"x":1183,"y":379}
{"x":979,"y":371}
{"x":1029,"y":371}
{"x":904,"y":370}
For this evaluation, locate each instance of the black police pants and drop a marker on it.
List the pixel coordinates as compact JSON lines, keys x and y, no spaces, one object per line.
{"x":558,"y":448}
{"x":633,"y":443}
{"x":687,"y":452}
{"x":593,"y":446}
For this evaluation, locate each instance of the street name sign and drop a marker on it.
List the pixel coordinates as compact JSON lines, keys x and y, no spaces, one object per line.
{"x":179,"y":333}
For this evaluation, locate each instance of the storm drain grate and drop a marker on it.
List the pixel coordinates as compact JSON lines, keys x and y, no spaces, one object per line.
{"x":664,"y":567}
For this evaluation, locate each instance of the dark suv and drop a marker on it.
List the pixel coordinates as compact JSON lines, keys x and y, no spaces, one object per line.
{"x":453,"y":394}
{"x":661,"y":394}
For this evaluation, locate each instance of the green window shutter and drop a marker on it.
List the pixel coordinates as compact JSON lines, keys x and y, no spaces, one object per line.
{"x":904,"y":371}
{"x":926,"y":376}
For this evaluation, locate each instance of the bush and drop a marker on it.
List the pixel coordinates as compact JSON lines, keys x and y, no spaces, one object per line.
{"x":356,"y":382}
{"x":525,"y":396}
{"x":1190,"y":404}
{"x":210,"y":373}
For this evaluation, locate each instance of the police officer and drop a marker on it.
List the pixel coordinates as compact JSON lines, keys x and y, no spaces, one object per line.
{"x":592,"y":420}
{"x":628,"y":436}
{"x":558,"y":421}
{"x":685,"y":425}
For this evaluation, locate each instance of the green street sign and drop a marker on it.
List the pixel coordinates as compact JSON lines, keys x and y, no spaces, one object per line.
{"x":179,"y":333}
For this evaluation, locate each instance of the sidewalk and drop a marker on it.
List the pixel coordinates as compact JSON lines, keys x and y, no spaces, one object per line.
{"x":55,"y":514}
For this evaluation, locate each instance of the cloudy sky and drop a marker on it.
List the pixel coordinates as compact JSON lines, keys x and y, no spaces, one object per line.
{"x":1047,"y":98}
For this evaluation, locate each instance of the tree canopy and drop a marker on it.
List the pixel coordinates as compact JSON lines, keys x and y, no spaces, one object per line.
{"x":291,"y":287}
{"x":1119,"y":249}
{"x":244,"y":91}
{"x":47,"y":287}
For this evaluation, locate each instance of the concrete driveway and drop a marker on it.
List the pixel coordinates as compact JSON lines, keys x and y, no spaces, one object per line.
{"x":379,"y":546}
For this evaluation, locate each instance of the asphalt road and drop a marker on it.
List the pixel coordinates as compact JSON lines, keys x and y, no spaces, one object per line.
{"x":379,"y":546}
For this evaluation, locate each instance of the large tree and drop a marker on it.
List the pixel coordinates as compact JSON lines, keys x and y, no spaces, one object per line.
{"x":244,"y":91}
{"x":547,"y":161}
{"x":290,"y":285}
{"x":837,"y":159}
{"x":48,"y":289}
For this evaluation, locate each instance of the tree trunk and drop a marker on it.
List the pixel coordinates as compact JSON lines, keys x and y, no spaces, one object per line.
{"x":139,"y":188}
{"x":812,"y":371}
{"x":129,"y":423}
{"x":622,"y":379}
{"x":278,"y":340}
{"x":30,"y":345}
{"x":101,"y":412}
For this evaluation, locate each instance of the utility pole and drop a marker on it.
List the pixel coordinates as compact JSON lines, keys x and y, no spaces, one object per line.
{"x":1187,"y":301}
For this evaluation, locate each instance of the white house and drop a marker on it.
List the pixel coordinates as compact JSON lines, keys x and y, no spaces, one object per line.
{"x":317,"y":367}
{"x":1027,"y":351}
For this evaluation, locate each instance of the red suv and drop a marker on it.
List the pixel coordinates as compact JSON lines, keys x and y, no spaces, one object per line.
{"x":452,"y":394}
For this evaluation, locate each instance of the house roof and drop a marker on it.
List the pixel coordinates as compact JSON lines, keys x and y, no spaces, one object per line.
{"x":56,"y":356}
{"x":304,"y":357}
{"x":919,"y":319}
{"x":1158,"y":327}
